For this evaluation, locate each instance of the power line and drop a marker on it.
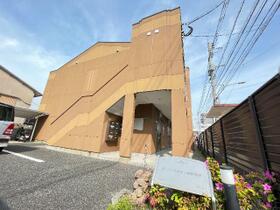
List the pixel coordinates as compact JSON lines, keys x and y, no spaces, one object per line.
{"x":275,"y":44}
{"x":211,"y":71}
{"x":205,"y":13}
{"x":194,"y":20}
{"x":217,"y":29}
{"x":220,"y":22}
{"x":203,"y":92}
{"x":229,"y":64}
{"x":211,"y":46}
{"x":208,"y":94}
{"x":231,"y":33}
{"x":223,"y":72}
{"x":212,"y":35}
{"x":254,"y":84}
{"x":240,"y":45}
{"x":253,"y":40}
{"x":264,"y":23}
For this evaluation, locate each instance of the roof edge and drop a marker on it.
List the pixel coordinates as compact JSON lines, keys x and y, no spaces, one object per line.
{"x":108,"y":42}
{"x":162,"y":11}
{"x":36,"y":92}
{"x":95,"y":44}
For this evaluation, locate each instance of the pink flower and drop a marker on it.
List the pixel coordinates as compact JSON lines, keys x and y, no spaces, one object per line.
{"x":268,"y":205}
{"x":219,"y":186}
{"x":268,"y":175}
{"x":153,"y":202}
{"x":206,"y":163}
{"x":146,"y":197}
{"x":249,"y":186}
{"x":266,"y":187}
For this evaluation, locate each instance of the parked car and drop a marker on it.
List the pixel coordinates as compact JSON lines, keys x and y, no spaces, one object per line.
{"x":6,"y":124}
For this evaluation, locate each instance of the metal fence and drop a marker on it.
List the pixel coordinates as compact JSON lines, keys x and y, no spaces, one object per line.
{"x":248,"y":137}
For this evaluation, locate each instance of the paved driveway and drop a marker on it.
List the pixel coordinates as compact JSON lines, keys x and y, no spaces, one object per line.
{"x":33,"y":177}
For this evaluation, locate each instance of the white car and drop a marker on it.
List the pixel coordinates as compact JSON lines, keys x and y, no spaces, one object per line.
{"x":6,"y":124}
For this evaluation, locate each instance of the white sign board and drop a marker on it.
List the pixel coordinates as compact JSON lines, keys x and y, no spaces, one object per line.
{"x":139,"y":124}
{"x":183,"y":174}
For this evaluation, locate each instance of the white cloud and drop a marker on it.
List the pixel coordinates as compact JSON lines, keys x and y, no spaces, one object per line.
{"x":8,"y":42}
{"x":30,"y":62}
{"x":22,"y":55}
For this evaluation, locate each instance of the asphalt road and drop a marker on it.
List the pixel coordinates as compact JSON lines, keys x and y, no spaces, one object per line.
{"x":62,"y":181}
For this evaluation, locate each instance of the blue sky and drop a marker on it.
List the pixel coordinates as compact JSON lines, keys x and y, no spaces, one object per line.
{"x":39,"y":36}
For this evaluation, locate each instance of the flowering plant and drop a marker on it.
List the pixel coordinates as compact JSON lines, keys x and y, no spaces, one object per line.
{"x":163,"y":198}
{"x":254,"y":191}
{"x":157,"y":197}
{"x":262,"y":184}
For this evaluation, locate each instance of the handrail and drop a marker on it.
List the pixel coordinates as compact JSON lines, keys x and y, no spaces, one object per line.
{"x":89,"y":95}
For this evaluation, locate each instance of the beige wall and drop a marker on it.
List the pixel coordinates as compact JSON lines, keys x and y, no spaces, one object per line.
{"x":148,"y":136}
{"x":8,"y":100}
{"x":78,"y":94}
{"x":12,"y":87}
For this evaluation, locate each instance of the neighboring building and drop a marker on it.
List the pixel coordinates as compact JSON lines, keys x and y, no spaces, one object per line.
{"x":219,"y":110}
{"x":131,"y":97}
{"x":15,"y":92}
{"x":216,"y":112}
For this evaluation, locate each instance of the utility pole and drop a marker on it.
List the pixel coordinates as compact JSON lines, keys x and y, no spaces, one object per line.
{"x":212,"y":73}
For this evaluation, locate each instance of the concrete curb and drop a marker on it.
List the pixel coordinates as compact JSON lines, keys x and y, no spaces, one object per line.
{"x":136,"y":159}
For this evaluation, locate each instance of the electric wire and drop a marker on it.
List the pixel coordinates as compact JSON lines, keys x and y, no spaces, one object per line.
{"x":215,"y":38}
{"x":250,"y":44}
{"x":231,"y":33}
{"x":220,"y":22}
{"x":212,"y":35}
{"x":205,"y":13}
{"x":207,"y":98}
{"x":236,"y":45}
{"x":244,"y":64}
{"x":228,"y":73}
{"x":264,"y":23}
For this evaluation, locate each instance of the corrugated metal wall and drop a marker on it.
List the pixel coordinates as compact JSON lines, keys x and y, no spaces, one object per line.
{"x":248,"y":137}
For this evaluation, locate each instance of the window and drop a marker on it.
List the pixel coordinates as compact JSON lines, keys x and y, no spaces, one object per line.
{"x":6,"y":113}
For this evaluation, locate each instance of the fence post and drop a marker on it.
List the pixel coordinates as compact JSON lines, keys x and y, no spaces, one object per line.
{"x":204,"y":145}
{"x":258,"y":132}
{"x":212,"y":141}
{"x":206,"y":138}
{"x":223,"y":140}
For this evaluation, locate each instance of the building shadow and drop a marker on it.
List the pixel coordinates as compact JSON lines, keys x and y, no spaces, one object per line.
{"x":18,"y":148}
{"x":4,"y":205}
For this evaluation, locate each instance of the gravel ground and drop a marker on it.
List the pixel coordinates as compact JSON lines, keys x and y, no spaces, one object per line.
{"x":63,"y":181}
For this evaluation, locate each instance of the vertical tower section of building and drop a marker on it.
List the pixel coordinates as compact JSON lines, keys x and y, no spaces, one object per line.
{"x":157,"y":53}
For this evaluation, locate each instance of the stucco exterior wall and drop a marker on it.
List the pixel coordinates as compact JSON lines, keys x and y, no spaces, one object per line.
{"x":18,"y":94}
{"x":148,"y":136}
{"x":78,"y":94}
{"x":8,"y":100}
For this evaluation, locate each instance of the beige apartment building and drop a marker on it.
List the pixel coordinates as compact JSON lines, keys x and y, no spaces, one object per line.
{"x":15,"y":92}
{"x":131,"y":97}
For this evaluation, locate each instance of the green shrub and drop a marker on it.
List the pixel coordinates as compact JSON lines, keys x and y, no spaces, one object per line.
{"x":161,"y":198}
{"x":124,"y":203}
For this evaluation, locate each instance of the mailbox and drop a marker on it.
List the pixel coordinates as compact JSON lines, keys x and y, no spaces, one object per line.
{"x":113,"y":131}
